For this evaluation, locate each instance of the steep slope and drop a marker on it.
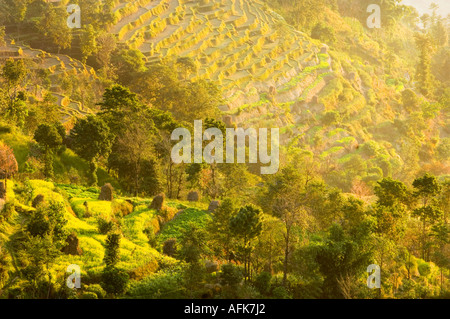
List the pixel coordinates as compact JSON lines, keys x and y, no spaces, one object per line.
{"x":59,"y":67}
{"x":249,"y":50}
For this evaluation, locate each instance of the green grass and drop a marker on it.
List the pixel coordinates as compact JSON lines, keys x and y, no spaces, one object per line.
{"x":174,"y":228}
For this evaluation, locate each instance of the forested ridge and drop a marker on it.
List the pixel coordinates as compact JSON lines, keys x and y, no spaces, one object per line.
{"x":87,"y":178}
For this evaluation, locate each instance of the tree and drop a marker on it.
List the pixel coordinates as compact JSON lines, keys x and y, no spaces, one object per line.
{"x":443,"y":149}
{"x":111,"y":256}
{"x":246,"y":225}
{"x":193,"y":245}
{"x":129,"y":63}
{"x":50,"y":138}
{"x":341,"y":260}
{"x":49,"y":111}
{"x":14,"y":72}
{"x":119,"y":105}
{"x":426,"y":189}
{"x":88,"y":42}
{"x":114,"y":280}
{"x":45,"y":236}
{"x":219,"y":229}
{"x":391,"y":192}
{"x":133,"y":149}
{"x":441,"y":235}
{"x":410,"y":100}
{"x":17,"y":112}
{"x":423,"y":73}
{"x":8,"y":163}
{"x":286,"y":199}
{"x":440,"y":34}
{"x":324,"y":33}
{"x":91,"y":139}
{"x":53,"y":25}
{"x":133,"y":153}
{"x":187,"y":65}
{"x":193,"y":248}
{"x":2,"y":36}
{"x":106,"y":44}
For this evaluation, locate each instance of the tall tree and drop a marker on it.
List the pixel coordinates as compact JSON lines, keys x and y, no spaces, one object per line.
{"x":246,"y":225}
{"x":53,"y":25}
{"x":426,"y":189}
{"x":88,"y":42}
{"x":91,"y":139}
{"x":219,"y":229}
{"x":8,"y":163}
{"x":50,"y":138}
{"x":14,"y":72}
{"x":424,"y":77}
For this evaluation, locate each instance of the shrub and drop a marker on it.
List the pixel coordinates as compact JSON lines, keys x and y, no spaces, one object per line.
{"x":121,"y":209}
{"x":330,"y":118}
{"x":97,"y":290}
{"x":231,"y":275}
{"x":144,"y":271}
{"x":89,"y":295}
{"x":262,"y":282}
{"x":170,"y":247}
{"x":39,"y":199}
{"x":7,"y":211}
{"x":114,"y":280}
{"x":424,"y":269}
{"x":150,"y":233}
{"x":323,"y":32}
{"x":104,"y":226}
{"x":5,"y":129}
{"x":166,"y":214}
{"x":281,"y":293}
{"x":160,"y":285}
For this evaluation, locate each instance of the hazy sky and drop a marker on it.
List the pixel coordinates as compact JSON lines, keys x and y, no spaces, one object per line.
{"x":423,"y":6}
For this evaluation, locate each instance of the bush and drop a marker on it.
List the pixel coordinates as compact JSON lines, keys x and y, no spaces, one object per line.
{"x":88,"y":295}
{"x":121,"y":209}
{"x":330,"y":118}
{"x":114,"y":280}
{"x":7,"y":211}
{"x":5,"y":129}
{"x":424,"y":269}
{"x":104,"y":226}
{"x":166,"y":214}
{"x":323,"y":32}
{"x":281,"y":293}
{"x":170,"y":247}
{"x":97,"y":290}
{"x":231,"y":275}
{"x":150,"y":233}
{"x":262,"y":282}
{"x":159,"y":285}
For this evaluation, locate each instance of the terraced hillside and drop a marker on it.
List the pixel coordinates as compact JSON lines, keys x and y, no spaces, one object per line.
{"x":249,"y":50}
{"x":59,"y":67}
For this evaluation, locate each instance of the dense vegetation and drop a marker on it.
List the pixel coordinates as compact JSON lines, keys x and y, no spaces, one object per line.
{"x":365,"y":150}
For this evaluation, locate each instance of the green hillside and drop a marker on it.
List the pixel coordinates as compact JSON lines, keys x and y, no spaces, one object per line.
{"x":88,"y":128}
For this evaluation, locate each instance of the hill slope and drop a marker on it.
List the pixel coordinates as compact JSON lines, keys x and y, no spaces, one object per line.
{"x":242,"y":45}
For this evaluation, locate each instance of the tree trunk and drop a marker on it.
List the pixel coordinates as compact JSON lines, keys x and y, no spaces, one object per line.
{"x":286,"y":254}
{"x":136,"y":178}
{"x":93,"y":173}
